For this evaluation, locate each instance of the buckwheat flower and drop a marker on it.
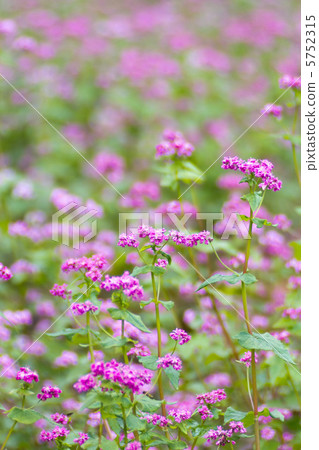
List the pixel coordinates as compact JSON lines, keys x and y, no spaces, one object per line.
{"x":49,"y":392}
{"x":259,"y":168}
{"x":210,"y":398}
{"x":128,"y":241}
{"x":60,"y":291}
{"x":221,"y":436}
{"x":180,"y":335}
{"x":5,"y":273}
{"x":294,"y":264}
{"x":292,"y":313}
{"x":169,"y":361}
{"x":274,"y":110}
{"x":94,"y":419}
{"x":204,"y":412}
{"x":60,"y":418}
{"x":161,"y":263}
{"x":294,"y":282}
{"x":82,"y":308}
{"x":85,"y":383}
{"x":287,"y":436}
{"x":66,"y":359}
{"x":289,"y":81}
{"x":267,"y":433}
{"x":83,"y":437}
{"x":132,"y":377}
{"x":27,"y":375}
{"x":180,"y":415}
{"x":282,"y":222}
{"x":128,"y":284}
{"x":246,"y":359}
{"x":54,"y":434}
{"x":282,"y":336}
{"x":158,"y":420}
{"x":139,"y":350}
{"x":134,"y":446}
{"x":237,"y":427}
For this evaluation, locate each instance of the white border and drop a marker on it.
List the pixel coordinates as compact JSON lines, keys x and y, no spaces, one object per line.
{"x":310,"y":246}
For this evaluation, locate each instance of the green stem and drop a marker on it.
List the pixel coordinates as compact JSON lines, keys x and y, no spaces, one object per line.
{"x":253,"y":363}
{"x":124,"y":422}
{"x":159,"y":344}
{"x":9,"y":434}
{"x":194,"y":443}
{"x":222,"y":263}
{"x":124,"y":347}
{"x":12,"y":426}
{"x":89,"y":336}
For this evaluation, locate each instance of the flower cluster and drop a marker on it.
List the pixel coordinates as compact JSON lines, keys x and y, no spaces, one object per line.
{"x":130,"y":285}
{"x":292,"y":313}
{"x":60,"y":291}
{"x":271,"y":109}
{"x":139,"y":350}
{"x":259,"y":168}
{"x":180,"y":335}
{"x":85,"y":383}
{"x":49,"y":392}
{"x":288,"y":81}
{"x":83,"y":437}
{"x":174,"y":144}
{"x":169,"y":361}
{"x":134,"y":446}
{"x":54,"y":434}
{"x":5,"y":273}
{"x":204,"y":412}
{"x":158,"y":420}
{"x":161,"y":235}
{"x":212,"y":397}
{"x":93,"y":266}
{"x":60,"y":418}
{"x":122,"y":374}
{"x":180,"y":415}
{"x":128,"y":240}
{"x":161,"y":263}
{"x":27,"y":375}
{"x":222,"y":436}
{"x":246,"y":359}
{"x":82,"y":308}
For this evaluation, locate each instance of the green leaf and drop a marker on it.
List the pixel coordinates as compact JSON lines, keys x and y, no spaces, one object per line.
{"x":264,"y":341}
{"x":173,"y":376}
{"x":145,"y":302}
{"x":167,"y":256}
{"x":26,"y":416}
{"x":133,"y":319}
{"x":257,"y":221}
{"x":148,"y":404}
{"x":167,"y":305}
{"x":93,"y":444}
{"x":149,"y":362}
{"x":112,"y":342}
{"x":275,"y":414}
{"x":147,"y":269}
{"x":232,"y":414}
{"x":69,"y":332}
{"x":254,"y":199}
{"x":134,"y":423}
{"x":247,"y":278}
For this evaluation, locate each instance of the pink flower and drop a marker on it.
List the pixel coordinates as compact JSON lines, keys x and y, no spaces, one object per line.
{"x":246,"y":359}
{"x":83,"y":437}
{"x":180,"y":335}
{"x":60,"y":291}
{"x":27,"y":375}
{"x":5,"y":273}
{"x":169,"y":361}
{"x":210,"y":398}
{"x":49,"y":392}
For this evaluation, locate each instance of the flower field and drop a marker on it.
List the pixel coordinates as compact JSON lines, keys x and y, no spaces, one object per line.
{"x":150,"y":225}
